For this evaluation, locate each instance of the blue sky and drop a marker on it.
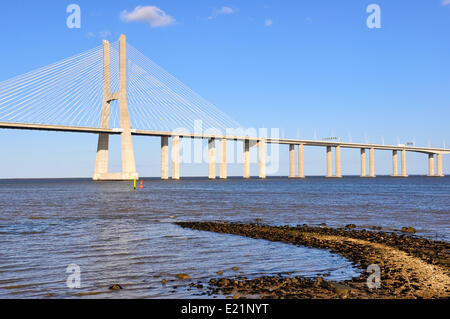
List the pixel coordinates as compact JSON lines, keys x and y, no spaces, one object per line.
{"x":305,"y":65}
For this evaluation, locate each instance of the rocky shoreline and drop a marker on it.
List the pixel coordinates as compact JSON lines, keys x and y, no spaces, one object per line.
{"x":411,"y":266}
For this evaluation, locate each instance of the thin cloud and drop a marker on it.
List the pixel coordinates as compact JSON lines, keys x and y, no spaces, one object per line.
{"x":268,"y":23}
{"x":156,"y":17}
{"x":101,"y":34}
{"x":222,"y":11}
{"x":104,"y":34}
{"x":445,"y":2}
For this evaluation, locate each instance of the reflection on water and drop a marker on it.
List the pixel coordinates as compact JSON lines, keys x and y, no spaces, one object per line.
{"x":120,"y":236}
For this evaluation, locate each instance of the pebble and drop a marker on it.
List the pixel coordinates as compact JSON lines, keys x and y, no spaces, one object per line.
{"x":182,"y":276}
{"x":115,"y":287}
{"x":410,"y":230}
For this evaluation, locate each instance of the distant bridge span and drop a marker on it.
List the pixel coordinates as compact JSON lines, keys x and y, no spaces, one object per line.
{"x":118,"y":131}
{"x":16,"y":102}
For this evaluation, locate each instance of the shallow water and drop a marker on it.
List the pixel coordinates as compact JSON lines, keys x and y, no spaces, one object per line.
{"x":116,"y":235}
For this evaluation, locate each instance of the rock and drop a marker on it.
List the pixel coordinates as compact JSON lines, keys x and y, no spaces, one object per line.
{"x":182,"y":276}
{"x":410,"y":230}
{"x":350,"y":226}
{"x":115,"y":287}
{"x":224,"y":282}
{"x":323,"y":224}
{"x":340,"y":289}
{"x":319,"y":281}
{"x":49,"y":295}
{"x":220,"y":272}
{"x":235,"y":268}
{"x":236,"y":296}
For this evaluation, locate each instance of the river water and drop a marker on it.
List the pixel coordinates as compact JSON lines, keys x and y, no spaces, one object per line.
{"x":117,"y":235}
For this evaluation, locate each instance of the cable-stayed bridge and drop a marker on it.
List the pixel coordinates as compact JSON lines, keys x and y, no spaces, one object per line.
{"x":116,"y":90}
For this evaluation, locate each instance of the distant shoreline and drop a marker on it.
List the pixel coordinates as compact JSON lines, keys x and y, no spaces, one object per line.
{"x":411,"y":266}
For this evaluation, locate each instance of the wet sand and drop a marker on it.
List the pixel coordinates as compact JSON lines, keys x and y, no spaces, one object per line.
{"x":411,"y":266}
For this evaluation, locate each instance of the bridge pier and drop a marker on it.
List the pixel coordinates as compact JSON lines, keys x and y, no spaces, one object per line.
{"x":291,"y":161}
{"x":394,"y":163}
{"x":164,"y":157}
{"x":301,"y":173}
{"x":175,"y":157}
{"x":337,"y":163}
{"x":246,"y":159}
{"x":223,"y":159}
{"x":440,"y":172}
{"x":363,"y":162}
{"x":301,"y":164}
{"x":329,"y":164}
{"x":372,"y":162}
{"x":101,"y":163}
{"x":262,"y":158}
{"x":212,"y":158}
{"x":431,"y":165}
{"x":403,"y":164}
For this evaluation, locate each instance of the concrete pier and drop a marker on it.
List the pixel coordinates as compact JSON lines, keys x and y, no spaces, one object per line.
{"x":301,"y":165}
{"x":223,"y":159}
{"x":440,"y":172}
{"x":176,"y":158}
{"x":338,"y":162}
{"x":164,"y":158}
{"x":403,"y":164}
{"x":246,"y":159}
{"x":394,"y":164}
{"x":363,"y":162}
{"x":101,"y":163}
{"x":431,"y":165}
{"x":291,"y":161}
{"x":262,"y":158}
{"x":212,"y":158}
{"x":329,"y":163}
{"x":372,"y":162}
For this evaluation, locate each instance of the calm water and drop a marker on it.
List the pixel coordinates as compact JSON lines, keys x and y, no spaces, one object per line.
{"x":120,"y":236}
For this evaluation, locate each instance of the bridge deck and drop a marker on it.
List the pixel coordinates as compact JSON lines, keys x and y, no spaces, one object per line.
{"x":93,"y":130}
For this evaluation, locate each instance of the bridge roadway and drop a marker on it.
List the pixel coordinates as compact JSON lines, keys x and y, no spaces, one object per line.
{"x":114,"y":131}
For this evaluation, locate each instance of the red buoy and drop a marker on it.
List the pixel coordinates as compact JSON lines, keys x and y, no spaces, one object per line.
{"x":142,"y":184}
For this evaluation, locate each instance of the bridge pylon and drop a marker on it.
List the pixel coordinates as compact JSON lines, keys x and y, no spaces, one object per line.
{"x":128,"y":163}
